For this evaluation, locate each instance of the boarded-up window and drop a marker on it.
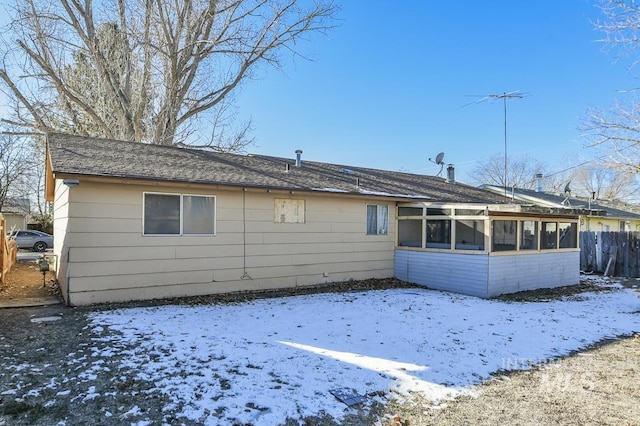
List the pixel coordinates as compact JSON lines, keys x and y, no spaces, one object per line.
{"x":289,"y":211}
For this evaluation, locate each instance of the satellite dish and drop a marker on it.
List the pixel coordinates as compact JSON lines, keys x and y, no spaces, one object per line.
{"x":439,"y":161}
{"x":567,"y":190}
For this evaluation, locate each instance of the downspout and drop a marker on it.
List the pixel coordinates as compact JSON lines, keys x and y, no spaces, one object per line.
{"x":68,"y":278}
{"x":245,"y":275}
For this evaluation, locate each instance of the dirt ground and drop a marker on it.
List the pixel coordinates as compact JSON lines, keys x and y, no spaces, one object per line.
{"x":25,"y":280}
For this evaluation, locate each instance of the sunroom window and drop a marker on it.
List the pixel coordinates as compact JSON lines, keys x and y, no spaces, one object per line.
{"x":470,"y":234}
{"x":410,"y":233}
{"x":548,"y":235}
{"x":438,"y":234}
{"x":504,"y":235}
{"x":568,"y":235}
{"x":529,"y":235}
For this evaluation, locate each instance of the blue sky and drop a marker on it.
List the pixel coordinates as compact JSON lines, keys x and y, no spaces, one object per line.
{"x":386,"y":88}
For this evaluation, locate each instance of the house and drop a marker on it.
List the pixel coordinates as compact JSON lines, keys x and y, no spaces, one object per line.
{"x":136,"y":221}
{"x":16,"y":213}
{"x":595,"y":215}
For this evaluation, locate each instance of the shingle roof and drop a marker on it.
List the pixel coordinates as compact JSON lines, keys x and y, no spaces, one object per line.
{"x":572,"y":202}
{"x":84,"y":156}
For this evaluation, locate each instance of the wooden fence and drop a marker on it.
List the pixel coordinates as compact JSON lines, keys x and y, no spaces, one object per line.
{"x":611,"y":253}
{"x":8,"y":251}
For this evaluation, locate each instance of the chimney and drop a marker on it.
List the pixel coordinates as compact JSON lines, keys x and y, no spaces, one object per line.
{"x":451,"y":174}
{"x":298,"y":161}
{"x":539,"y":181}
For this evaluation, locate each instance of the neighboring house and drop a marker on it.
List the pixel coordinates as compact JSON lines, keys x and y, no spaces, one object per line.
{"x":16,"y":213}
{"x":138,"y":221}
{"x":595,"y":215}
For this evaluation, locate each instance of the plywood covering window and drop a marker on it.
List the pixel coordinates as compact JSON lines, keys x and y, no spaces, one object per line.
{"x":289,"y":211}
{"x":178,"y":214}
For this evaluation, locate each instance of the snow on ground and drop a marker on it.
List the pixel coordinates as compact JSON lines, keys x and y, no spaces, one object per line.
{"x":263,"y":361}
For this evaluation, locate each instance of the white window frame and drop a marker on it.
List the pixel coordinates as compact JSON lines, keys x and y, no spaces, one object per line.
{"x":181,"y":233}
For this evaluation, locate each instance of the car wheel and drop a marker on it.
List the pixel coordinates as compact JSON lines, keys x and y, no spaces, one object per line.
{"x":40,"y":246}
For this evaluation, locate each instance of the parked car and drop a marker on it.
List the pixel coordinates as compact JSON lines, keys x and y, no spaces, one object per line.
{"x":31,"y":239}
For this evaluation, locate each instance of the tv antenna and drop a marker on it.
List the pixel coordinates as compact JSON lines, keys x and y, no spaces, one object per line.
{"x":439,"y":161}
{"x":567,"y":194}
{"x":504,"y":97}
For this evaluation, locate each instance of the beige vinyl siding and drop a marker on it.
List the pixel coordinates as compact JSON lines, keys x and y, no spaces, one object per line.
{"x":60,"y":240}
{"x":111,"y":260}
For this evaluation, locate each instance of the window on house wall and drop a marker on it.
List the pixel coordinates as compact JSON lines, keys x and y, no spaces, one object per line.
{"x":470,"y":234}
{"x":289,"y":211}
{"x":177,"y":214}
{"x":548,"y":235}
{"x":529,"y":235}
{"x":504,"y":235}
{"x":198,"y":215}
{"x":377,"y":219}
{"x":438,"y":234}
{"x":568,"y":235}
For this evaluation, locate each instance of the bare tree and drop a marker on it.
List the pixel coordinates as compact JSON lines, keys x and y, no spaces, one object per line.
{"x":617,"y":131}
{"x":16,"y":165}
{"x":145,"y":70}
{"x":602,"y":182}
{"x":521,"y":171}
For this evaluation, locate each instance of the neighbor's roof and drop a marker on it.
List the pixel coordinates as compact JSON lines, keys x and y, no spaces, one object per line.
{"x":83,"y":156}
{"x":546,"y":199}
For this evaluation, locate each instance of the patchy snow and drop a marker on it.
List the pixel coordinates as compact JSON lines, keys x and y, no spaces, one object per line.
{"x":263,"y":361}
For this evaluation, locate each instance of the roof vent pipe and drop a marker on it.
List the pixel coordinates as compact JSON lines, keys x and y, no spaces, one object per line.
{"x":539,"y":182}
{"x":451,"y":174}
{"x":298,"y":154}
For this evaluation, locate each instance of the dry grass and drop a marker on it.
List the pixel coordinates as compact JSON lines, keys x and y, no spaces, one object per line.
{"x":600,"y":386}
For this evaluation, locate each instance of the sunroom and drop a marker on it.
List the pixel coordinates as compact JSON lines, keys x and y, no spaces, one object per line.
{"x":486,"y":250}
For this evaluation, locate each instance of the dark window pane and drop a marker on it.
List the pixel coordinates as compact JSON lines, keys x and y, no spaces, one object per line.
{"x":161,"y":214}
{"x":504,"y":235}
{"x":438,"y":212}
{"x":438,"y":234}
{"x":548,"y":235}
{"x":568,"y":235}
{"x":469,"y":212}
{"x":529,"y":236}
{"x":470,"y":234}
{"x":410,"y":233}
{"x":410,"y":211}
